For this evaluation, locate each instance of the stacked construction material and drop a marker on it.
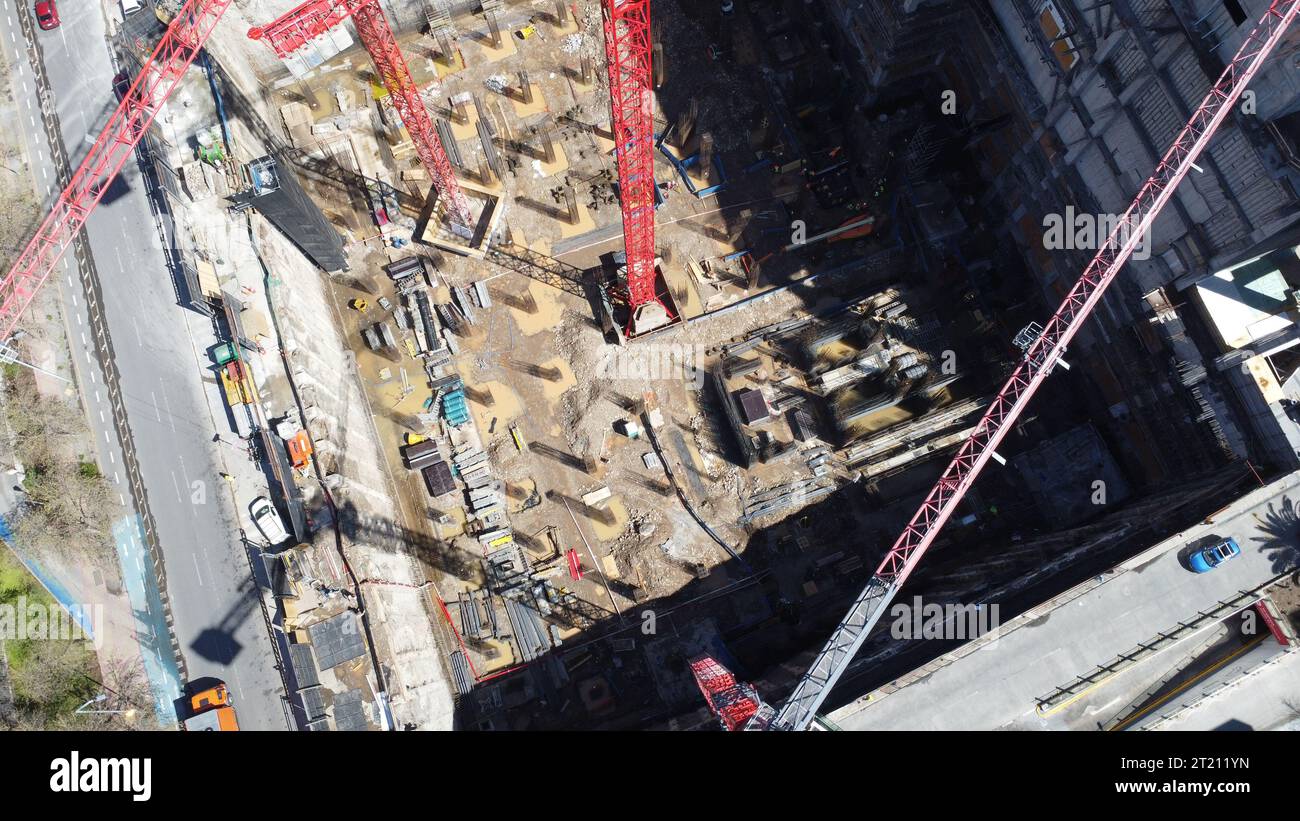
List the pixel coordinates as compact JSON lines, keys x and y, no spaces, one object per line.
{"x":482,"y":492}
{"x":454,"y":407}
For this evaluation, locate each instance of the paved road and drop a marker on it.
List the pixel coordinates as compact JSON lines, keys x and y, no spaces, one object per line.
{"x":1000,"y":684}
{"x":1267,"y":700}
{"x":169,"y":395}
{"x":1230,"y":661}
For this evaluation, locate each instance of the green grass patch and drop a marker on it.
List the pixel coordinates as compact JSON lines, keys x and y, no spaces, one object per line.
{"x":16,"y":582}
{"x":51,"y":678}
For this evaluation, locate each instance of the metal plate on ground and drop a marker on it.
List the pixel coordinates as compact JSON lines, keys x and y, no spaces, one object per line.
{"x":337,"y":640}
{"x":303,"y":661}
{"x":349,"y":712}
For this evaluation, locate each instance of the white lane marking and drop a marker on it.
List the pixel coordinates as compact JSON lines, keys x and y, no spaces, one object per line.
{"x":117,"y":479}
{"x":101,"y":419}
{"x":106,"y":439}
{"x":157,"y":411}
{"x":185,"y":473}
{"x":121,"y":499}
{"x":171,"y":419}
{"x":196,"y":569}
{"x":111,"y":458}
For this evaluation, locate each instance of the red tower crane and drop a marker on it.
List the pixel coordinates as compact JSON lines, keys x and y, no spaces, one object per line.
{"x":1043,"y":349}
{"x":158,"y":78}
{"x":301,"y":25}
{"x":732,"y":702}
{"x":628,"y":53}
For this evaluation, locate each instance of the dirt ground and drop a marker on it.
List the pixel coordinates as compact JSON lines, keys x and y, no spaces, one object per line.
{"x":1286,"y":594}
{"x":549,"y":396}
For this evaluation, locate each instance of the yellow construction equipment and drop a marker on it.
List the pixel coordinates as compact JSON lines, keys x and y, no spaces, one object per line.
{"x":526,"y":32}
{"x":231,"y":388}
{"x":235,"y":376}
{"x":358,"y":304}
{"x":414,"y":438}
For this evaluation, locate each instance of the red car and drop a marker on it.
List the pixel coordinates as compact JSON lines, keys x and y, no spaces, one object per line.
{"x":47,"y":15}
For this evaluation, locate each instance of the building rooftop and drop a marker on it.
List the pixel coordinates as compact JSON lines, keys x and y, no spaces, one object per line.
{"x":1250,"y":300}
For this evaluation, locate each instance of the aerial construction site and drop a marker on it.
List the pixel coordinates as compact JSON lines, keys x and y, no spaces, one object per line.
{"x":618,"y":364}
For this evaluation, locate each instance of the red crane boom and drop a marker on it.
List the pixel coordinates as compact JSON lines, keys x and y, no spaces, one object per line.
{"x":158,"y":78}
{"x":300,"y":26}
{"x":1042,"y":353}
{"x":628,"y":53}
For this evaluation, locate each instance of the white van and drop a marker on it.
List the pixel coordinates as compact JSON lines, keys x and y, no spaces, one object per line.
{"x":130,"y":6}
{"x":268,"y":521}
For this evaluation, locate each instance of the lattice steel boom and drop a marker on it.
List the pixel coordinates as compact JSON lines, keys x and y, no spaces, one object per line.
{"x":300,"y":26}
{"x":159,"y":77}
{"x":1040,"y":357}
{"x":628,"y":53}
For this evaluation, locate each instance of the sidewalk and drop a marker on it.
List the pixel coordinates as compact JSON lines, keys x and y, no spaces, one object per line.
{"x":111,"y":606}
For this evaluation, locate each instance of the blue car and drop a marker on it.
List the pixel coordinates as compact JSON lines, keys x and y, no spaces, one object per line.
{"x":1208,"y":558}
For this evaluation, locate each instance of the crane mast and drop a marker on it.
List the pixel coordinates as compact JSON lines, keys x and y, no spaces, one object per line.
{"x":1041,"y":354}
{"x":628,"y":53}
{"x":157,"y":79}
{"x":299,"y":26}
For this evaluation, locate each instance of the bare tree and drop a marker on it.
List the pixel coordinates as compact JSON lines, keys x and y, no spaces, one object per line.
{"x":68,"y":507}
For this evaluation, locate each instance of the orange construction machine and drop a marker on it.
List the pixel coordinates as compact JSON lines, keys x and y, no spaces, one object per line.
{"x":211,"y":710}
